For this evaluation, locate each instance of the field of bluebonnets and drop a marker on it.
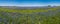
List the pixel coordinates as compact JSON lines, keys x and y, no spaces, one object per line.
{"x":30,"y":16}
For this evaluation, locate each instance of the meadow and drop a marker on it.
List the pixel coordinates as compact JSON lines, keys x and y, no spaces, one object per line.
{"x":30,"y":16}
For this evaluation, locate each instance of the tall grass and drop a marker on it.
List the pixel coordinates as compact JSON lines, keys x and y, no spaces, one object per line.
{"x":37,"y":16}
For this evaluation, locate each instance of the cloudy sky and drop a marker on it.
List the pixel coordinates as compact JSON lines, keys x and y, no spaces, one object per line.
{"x":29,"y":2}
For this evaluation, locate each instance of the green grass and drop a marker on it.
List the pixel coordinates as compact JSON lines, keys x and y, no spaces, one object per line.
{"x":29,"y":16}
{"x":27,"y":11}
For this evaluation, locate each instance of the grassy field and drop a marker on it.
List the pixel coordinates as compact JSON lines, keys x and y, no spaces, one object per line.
{"x":30,"y":16}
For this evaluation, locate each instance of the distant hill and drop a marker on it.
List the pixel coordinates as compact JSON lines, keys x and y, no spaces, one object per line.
{"x":19,"y":7}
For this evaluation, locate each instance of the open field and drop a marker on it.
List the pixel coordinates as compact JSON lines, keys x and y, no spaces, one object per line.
{"x":30,"y":16}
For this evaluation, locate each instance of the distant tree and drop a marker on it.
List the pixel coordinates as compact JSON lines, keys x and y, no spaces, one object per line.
{"x":49,"y":5}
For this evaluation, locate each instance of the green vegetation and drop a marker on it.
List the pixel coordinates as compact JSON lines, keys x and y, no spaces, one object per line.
{"x":28,"y":16}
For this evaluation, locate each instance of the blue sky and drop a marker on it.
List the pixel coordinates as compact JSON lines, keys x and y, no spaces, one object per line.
{"x":29,"y":2}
